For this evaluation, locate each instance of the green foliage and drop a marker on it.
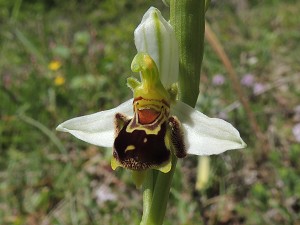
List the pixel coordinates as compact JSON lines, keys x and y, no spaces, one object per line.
{"x":50,"y":177}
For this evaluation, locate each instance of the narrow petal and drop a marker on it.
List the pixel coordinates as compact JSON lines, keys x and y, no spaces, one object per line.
{"x":97,"y":128}
{"x":204,"y":135}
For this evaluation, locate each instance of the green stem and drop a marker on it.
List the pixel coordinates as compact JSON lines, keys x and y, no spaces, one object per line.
{"x":148,"y":187}
{"x":156,"y":214}
{"x":187,"y":18}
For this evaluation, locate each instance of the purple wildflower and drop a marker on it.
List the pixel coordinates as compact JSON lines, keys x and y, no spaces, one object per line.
{"x":258,"y":88}
{"x":218,"y":80}
{"x":248,"y":80}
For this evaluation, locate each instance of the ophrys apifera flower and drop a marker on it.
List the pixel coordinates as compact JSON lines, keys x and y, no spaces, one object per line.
{"x":145,"y":131}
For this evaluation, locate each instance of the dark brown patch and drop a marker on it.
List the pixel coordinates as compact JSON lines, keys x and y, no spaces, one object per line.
{"x":120,"y":121}
{"x":177,"y":137}
{"x":146,"y":154}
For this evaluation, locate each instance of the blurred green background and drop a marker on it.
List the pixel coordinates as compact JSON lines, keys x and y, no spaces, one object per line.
{"x":61,"y":59}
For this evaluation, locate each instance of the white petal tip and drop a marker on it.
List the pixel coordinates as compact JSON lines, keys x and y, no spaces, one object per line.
{"x":244,"y":145}
{"x":61,"y":128}
{"x":241,"y":145}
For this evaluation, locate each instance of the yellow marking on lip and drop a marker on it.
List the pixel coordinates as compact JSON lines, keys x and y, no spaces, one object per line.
{"x":165,"y":168}
{"x":129,"y":148}
{"x":114,"y":163}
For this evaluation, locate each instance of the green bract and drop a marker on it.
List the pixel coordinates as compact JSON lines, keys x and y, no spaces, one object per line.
{"x":146,"y":130}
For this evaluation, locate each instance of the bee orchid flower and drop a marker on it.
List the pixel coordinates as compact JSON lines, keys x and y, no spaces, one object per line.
{"x":146,"y":130}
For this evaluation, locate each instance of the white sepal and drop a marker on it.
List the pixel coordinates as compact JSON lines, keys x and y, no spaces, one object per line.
{"x":156,"y":37}
{"x":204,"y":135}
{"x":97,"y":128}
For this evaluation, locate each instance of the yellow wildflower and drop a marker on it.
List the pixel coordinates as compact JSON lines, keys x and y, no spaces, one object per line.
{"x":54,"y":65}
{"x":59,"y":80}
